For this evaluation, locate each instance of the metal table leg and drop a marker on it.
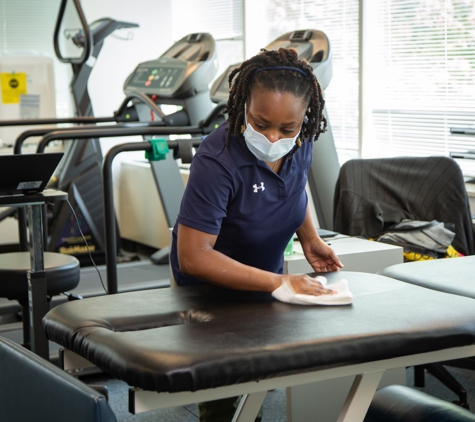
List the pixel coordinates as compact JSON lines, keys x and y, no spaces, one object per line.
{"x":37,"y":298}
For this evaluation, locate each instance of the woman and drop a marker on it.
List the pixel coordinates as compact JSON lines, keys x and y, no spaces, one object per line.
{"x":245,"y":196}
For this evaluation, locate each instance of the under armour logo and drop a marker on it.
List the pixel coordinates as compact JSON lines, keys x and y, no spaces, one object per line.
{"x":256,"y":188}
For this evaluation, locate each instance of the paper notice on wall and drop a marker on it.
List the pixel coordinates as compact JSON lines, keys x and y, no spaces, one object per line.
{"x":13,"y":85}
{"x":29,"y":106}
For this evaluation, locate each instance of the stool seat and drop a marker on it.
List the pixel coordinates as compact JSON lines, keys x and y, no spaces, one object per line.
{"x":397,"y":403}
{"x":62,"y":274}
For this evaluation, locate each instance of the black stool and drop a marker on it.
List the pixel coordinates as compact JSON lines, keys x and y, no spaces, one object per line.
{"x":397,"y":403}
{"x":62,"y":275}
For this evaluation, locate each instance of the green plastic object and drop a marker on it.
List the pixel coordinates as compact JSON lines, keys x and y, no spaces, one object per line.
{"x":289,"y":249}
{"x":159,"y":150}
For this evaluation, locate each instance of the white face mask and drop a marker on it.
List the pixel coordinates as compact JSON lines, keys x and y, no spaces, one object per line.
{"x":265,"y":150}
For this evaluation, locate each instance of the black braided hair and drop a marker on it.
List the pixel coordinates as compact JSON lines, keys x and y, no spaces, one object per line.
{"x":303,"y":86}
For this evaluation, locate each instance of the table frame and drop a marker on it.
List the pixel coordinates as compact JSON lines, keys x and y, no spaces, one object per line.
{"x":367,"y":377}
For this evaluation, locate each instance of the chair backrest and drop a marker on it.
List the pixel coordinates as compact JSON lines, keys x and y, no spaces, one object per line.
{"x":373,"y":194}
{"x":33,"y":389}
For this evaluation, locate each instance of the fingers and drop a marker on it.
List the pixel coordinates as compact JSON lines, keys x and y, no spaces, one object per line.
{"x":331,"y":267}
{"x":335,"y":262}
{"x":327,"y":267}
{"x":304,"y":284}
{"x":323,"y":291}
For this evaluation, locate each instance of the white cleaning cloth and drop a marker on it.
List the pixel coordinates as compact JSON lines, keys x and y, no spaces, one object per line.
{"x":343,"y":296}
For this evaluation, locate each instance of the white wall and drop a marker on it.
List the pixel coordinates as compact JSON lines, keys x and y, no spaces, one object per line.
{"x":255,"y":37}
{"x":119,"y":58}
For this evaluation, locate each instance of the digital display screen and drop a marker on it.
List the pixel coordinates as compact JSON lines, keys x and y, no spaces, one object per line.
{"x":222,"y":91}
{"x":156,"y":77}
{"x":223,"y":87}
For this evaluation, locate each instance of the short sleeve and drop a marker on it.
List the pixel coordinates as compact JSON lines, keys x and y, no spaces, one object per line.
{"x":209,"y":190}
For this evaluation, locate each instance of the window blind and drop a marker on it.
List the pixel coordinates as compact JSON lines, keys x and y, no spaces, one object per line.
{"x":28,"y":25}
{"x":339,"y":20}
{"x":223,"y":19}
{"x":423,"y":67}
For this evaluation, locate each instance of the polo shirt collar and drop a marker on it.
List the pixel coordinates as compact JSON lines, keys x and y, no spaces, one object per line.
{"x":241,"y":154}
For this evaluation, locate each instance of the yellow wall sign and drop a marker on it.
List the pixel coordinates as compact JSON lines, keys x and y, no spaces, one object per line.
{"x":13,"y":85}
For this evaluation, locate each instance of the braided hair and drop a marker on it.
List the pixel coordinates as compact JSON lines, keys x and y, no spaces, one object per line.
{"x":257,"y":72}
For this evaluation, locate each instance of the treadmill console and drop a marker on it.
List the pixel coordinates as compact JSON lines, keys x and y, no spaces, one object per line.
{"x":157,"y":76}
{"x":183,"y":71}
{"x":220,"y":88}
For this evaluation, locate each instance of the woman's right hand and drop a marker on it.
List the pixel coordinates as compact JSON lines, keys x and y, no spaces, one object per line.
{"x":306,"y":285}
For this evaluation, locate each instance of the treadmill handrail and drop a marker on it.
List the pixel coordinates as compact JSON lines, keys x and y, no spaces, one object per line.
{"x":54,"y":120}
{"x":63,"y":135}
{"x":87,"y":132}
{"x":131,"y":95}
{"x":87,"y":35}
{"x":42,"y":132}
{"x":109,"y":214}
{"x":109,"y":223}
{"x":81,"y":119}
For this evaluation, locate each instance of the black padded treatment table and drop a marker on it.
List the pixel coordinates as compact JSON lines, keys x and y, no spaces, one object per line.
{"x":451,"y":275}
{"x":185,"y":345}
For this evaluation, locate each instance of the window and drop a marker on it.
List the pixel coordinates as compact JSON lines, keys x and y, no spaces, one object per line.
{"x":28,"y":26}
{"x":421,"y":64}
{"x":15,"y":32}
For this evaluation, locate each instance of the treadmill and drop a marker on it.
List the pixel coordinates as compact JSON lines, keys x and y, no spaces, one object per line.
{"x":180,"y":77}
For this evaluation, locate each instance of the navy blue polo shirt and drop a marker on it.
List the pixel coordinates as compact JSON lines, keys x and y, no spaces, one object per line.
{"x":252,"y":210}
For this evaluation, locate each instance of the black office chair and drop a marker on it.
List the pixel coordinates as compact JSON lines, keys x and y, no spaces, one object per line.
{"x":398,"y":403}
{"x":62,"y":275}
{"x":373,"y":194}
{"x":33,"y":389}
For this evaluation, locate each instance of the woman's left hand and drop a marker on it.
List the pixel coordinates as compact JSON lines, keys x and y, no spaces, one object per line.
{"x":321,"y":257}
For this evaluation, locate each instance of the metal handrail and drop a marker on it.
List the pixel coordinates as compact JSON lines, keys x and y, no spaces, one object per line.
{"x":42,"y":132}
{"x":53,"y":121}
{"x":118,"y":132}
{"x":109,"y":227}
{"x":109,"y":214}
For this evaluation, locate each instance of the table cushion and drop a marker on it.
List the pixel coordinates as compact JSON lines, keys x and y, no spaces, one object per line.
{"x":193,"y":338}
{"x":454,"y":275}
